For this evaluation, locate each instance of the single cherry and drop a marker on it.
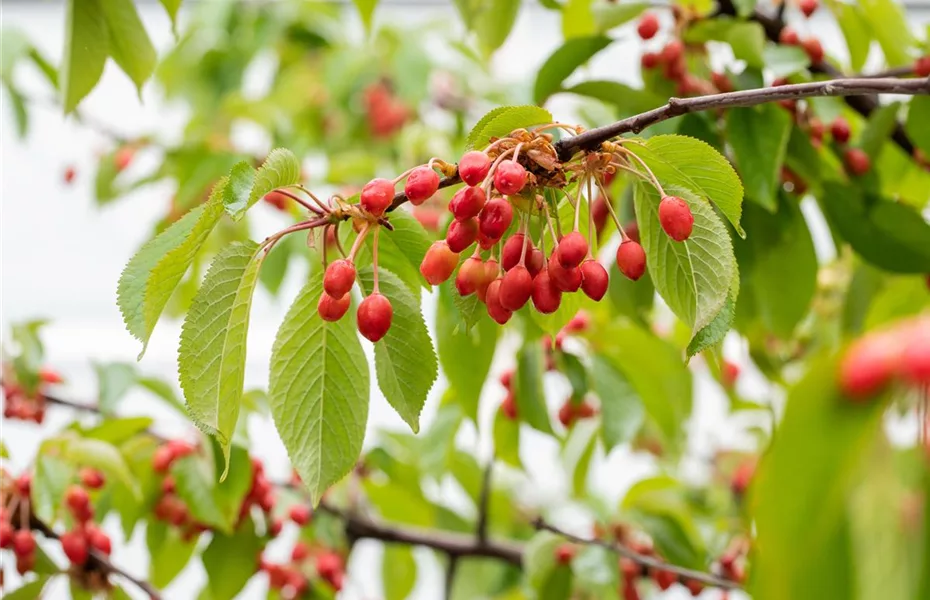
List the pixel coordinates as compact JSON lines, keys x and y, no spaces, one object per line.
{"x":300,"y":514}
{"x":495,"y":309}
{"x":572,"y":249}
{"x":462,"y":234}
{"x":74,"y":545}
{"x":650,"y":60}
{"x":814,"y":49}
{"x":438,"y":263}
{"x":869,"y":365}
{"x":564,"y":554}
{"x":922,"y":66}
{"x":92,"y":478}
{"x":546,"y":295}
{"x":470,"y":276}
{"x":421,"y":184}
{"x":374,"y":317}
{"x":474,"y":167}
{"x":594,"y":279}
{"x":631,"y":259}
{"x":808,"y":7}
{"x":496,"y":218}
{"x":339,"y":278}
{"x":467,"y":203}
{"x":839,"y":129}
{"x":331,"y":309}
{"x":535,"y":261}
{"x":567,"y":280}
{"x":516,"y":288}
{"x":509,"y":178}
{"x":789,"y":37}
{"x":509,"y":406}
{"x":648,"y":26}
{"x":676,"y":218}
{"x":513,"y":250}
{"x":377,"y":196}
{"x":857,"y":161}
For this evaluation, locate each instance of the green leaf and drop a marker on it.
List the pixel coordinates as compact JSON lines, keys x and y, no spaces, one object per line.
{"x":398,"y":571}
{"x":152,"y":274}
{"x":918,"y":115}
{"x":103,"y":456}
{"x":493,"y":22}
{"x":171,"y":7}
{"x":366,"y":10}
{"x":114,"y":380}
{"x":528,"y":387}
{"x":211,"y":356}
{"x":631,"y":298}
{"x":783,"y":61}
{"x":20,"y":112}
{"x":28,"y":591}
{"x":504,"y":119}
{"x":507,"y":439}
{"x":746,"y":38}
{"x":238,"y":188}
{"x":577,"y":453}
{"x":881,"y":124}
{"x":622,"y":412}
{"x":697,"y":166}
{"x":628,"y":100}
{"x":51,"y":479}
{"x":281,"y":168}
{"x":319,"y":391}
{"x":890,"y":235}
{"x":229,"y":561}
{"x":890,"y":27}
{"x":608,"y":15}
{"x":231,"y":491}
{"x":275,"y":264}
{"x":129,"y":44}
{"x":563,"y":62}
{"x":856,"y":30}
{"x":195,"y":482}
{"x":465,"y":354}
{"x":163,"y":390}
{"x":778,"y":268}
{"x":759,"y":138}
{"x":577,"y":19}
{"x":539,"y":558}
{"x":819,"y":451}
{"x":117,"y":431}
{"x":400,"y":251}
{"x":168,"y":552}
{"x":86,"y":48}
{"x":692,"y":276}
{"x":106,"y":188}
{"x":714,"y":332}
{"x":656,"y":372}
{"x":405,"y":360}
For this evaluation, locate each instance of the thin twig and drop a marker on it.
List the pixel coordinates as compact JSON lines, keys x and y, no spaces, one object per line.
{"x":484,"y":500}
{"x":450,"y":576}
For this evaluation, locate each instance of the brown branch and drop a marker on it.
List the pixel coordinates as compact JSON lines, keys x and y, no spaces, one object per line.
{"x":642,"y":559}
{"x":99,"y":562}
{"x":681,"y":106}
{"x":484,"y":499}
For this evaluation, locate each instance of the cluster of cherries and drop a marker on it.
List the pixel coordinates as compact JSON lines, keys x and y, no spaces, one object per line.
{"x":19,"y":403}
{"x":290,"y":578}
{"x":900,"y":353}
{"x":385,"y":113}
{"x":84,"y":535}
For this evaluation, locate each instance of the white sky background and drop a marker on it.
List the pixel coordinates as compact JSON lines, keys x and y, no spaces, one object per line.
{"x":62,"y":256}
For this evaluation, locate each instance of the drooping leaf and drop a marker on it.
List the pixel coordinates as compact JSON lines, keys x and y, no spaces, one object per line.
{"x":563,"y":62}
{"x":881,"y":123}
{"x":129,"y":43}
{"x":759,"y":139}
{"x":50,"y":480}
{"x":113,"y":381}
{"x":692,"y":276}
{"x":28,"y":591}
{"x":319,"y":390}
{"x":577,"y":19}
{"x":504,"y":119}
{"x":230,"y":562}
{"x":195,"y":484}
{"x":405,"y":360}
{"x":211,"y":356}
{"x":168,"y":552}
{"x":507,"y":439}
{"x":86,"y":49}
{"x":171,"y":7}
{"x":697,"y":166}
{"x":85,"y":452}
{"x":889,"y":25}
{"x":628,"y":101}
{"x":714,"y":332}
{"x":465,"y":354}
{"x":493,"y":20}
{"x":783,"y":61}
{"x":856,"y":30}
{"x":918,"y":115}
{"x":281,"y":168}
{"x":608,"y":15}
{"x":577,"y":453}
{"x":366,"y":10}
{"x":398,"y":571}
{"x":890,"y":235}
{"x":622,"y":411}
{"x":528,"y":387}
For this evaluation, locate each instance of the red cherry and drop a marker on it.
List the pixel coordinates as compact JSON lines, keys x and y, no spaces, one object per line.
{"x":421,"y":184}
{"x":580,"y":322}
{"x":300,"y":551}
{"x":808,"y":7}
{"x":513,"y":250}
{"x":496,"y":218}
{"x":922,"y":66}
{"x":339,"y":278}
{"x":98,"y":540}
{"x":857,"y":161}
{"x":92,"y":478}
{"x":789,"y":37}
{"x":650,"y":60}
{"x":869,"y":364}
{"x":509,"y":178}
{"x":69,"y":174}
{"x":274,"y":530}
{"x":506,"y":378}
{"x":535,"y":261}
{"x":328,"y":564}
{"x":509,"y":406}
{"x":694,"y":586}
{"x":567,"y":280}
{"x":572,"y":250}
{"x":742,"y":476}
{"x":74,"y":546}
{"x":567,"y":414}
{"x":467,"y":203}
{"x":24,"y":484}
{"x":470,"y":276}
{"x":495,"y":309}
{"x":676,"y":218}
{"x":595,"y":279}
{"x":123,"y":157}
{"x":915,"y":362}
{"x":814,"y":49}
{"x":839,"y":129}
{"x":277,"y":199}
{"x":462,"y":234}
{"x":585,"y":410}
{"x":24,"y":543}
{"x":47,"y":375}
{"x":162,"y":459}
{"x":673,"y":51}
{"x":546,"y":295}
{"x":516,"y":288}
{"x":721,"y":82}
{"x":331,"y":309}
{"x":297,"y":583}
{"x":564,"y":554}
{"x":631,"y":259}
{"x":664,"y":579}
{"x":728,"y":373}
{"x":484,"y":242}
{"x":474,"y":167}
{"x":76,"y":498}
{"x":599,"y":213}
{"x":6,"y":534}
{"x":491,"y":271}
{"x":648,"y":26}
{"x":438,"y":263}
{"x":377,"y":196}
{"x":374,"y":317}
{"x":300,"y":513}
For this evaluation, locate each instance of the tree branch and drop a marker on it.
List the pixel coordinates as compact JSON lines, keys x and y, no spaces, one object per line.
{"x":642,"y":559}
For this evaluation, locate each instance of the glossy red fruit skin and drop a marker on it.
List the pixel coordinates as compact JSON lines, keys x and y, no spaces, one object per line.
{"x":631,"y":259}
{"x":839,"y":129}
{"x":462,"y":234}
{"x":594,"y":279}
{"x":546,"y":296}
{"x":673,"y":51}
{"x":100,"y":541}
{"x":493,"y":301}
{"x":92,"y":478}
{"x":915,"y":360}
{"x":6,"y":534}
{"x":467,"y":203}
{"x":439,"y":263}
{"x":648,"y":26}
{"x":808,"y":7}
{"x":599,"y":213}
{"x":922,"y":66}
{"x":474,"y":167}
{"x":676,"y":218}
{"x":650,"y":60}
{"x":535,"y":261}
{"x":513,"y":250}
{"x":814,"y":49}
{"x":421,"y":184}
{"x":509,"y":406}
{"x":491,"y":271}
{"x":496,"y":218}
{"x":276,"y":199}
{"x":300,"y":551}
{"x":567,"y":414}
{"x":573,"y":249}
{"x":300,"y":514}
{"x":24,"y":543}
{"x":789,"y":37}
{"x":857,"y":161}
{"x":516,"y":288}
{"x":564,"y":554}
{"x":694,"y":586}
{"x":374,"y":317}
{"x":74,"y":546}
{"x":331,"y":309}
{"x":664,"y":579}
{"x":567,"y":280}
{"x":869,"y":365}
{"x":377,"y":196}
{"x":76,"y":498}
{"x":470,"y":276}
{"x":509,"y":178}
{"x":339,"y":278}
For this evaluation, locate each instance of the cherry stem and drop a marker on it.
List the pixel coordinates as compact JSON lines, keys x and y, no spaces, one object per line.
{"x":591,"y":234}
{"x":555,"y":238}
{"x":315,"y":199}
{"x":610,"y":209}
{"x":374,"y":260}
{"x":407,"y":172}
{"x":569,"y":128}
{"x":299,"y":200}
{"x":486,"y":184}
{"x":498,"y":143}
{"x":271,"y":240}
{"x":516,"y":152}
{"x":358,"y":242}
{"x":339,"y":247}
{"x":581,"y":185}
{"x":526,"y":238}
{"x":655,"y":181}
